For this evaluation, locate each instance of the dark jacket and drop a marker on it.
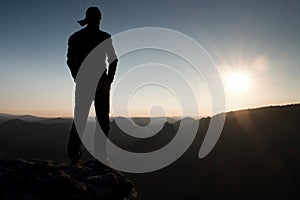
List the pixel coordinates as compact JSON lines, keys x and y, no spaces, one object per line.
{"x":82,"y":42}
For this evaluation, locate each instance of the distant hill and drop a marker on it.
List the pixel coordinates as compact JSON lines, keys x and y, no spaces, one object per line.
{"x":33,"y":140}
{"x":256,"y":156}
{"x":29,"y":118}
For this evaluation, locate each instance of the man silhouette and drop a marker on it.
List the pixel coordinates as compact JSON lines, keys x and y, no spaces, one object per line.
{"x":80,"y":44}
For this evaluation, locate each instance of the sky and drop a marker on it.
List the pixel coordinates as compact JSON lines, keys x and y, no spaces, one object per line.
{"x":255,"y":46}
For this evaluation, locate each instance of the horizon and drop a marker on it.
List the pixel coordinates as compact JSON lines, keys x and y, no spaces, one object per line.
{"x":172,"y":117}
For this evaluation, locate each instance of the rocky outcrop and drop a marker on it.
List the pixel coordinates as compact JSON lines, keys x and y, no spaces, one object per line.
{"x":20,"y":179}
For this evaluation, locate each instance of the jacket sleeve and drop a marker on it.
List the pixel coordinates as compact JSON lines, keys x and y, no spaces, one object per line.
{"x":72,"y":61}
{"x":112,"y":60}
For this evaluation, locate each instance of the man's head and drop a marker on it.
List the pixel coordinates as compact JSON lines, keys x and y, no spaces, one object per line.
{"x":92,"y":17}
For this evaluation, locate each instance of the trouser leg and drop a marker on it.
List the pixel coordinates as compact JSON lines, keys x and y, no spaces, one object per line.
{"x":81,"y":112}
{"x":74,"y":144}
{"x":102,"y":117}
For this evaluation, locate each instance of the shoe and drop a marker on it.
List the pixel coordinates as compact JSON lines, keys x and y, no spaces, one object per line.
{"x":108,"y":163}
{"x":77,"y":161}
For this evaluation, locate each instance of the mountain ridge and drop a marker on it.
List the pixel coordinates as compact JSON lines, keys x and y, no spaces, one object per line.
{"x":257,"y":153}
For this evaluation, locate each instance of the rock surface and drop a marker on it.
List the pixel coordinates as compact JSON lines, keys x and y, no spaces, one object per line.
{"x":20,"y":179}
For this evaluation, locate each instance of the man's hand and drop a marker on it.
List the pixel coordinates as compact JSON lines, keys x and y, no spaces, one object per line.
{"x":105,"y":82}
{"x":110,"y":79}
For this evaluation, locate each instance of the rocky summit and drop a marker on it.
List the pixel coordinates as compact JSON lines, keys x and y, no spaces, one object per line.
{"x":21,"y":179}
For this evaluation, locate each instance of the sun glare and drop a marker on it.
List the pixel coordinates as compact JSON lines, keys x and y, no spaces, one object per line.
{"x":238,"y":82}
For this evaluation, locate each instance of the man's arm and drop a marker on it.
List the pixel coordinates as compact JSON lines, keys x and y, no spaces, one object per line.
{"x":72,"y":61}
{"x":112,"y":61}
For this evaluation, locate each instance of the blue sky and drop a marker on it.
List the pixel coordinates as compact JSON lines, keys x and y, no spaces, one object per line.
{"x":261,"y":38}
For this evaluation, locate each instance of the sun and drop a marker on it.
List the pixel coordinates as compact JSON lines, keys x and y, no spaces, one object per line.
{"x":238,"y":82}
